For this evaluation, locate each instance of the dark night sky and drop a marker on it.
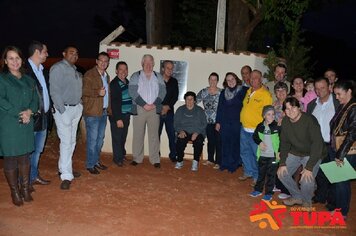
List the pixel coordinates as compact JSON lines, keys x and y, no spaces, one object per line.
{"x":57,"y":23}
{"x":334,"y":21}
{"x":331,"y":31}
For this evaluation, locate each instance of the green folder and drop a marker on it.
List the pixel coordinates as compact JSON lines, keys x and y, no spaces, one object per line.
{"x":336,"y":173}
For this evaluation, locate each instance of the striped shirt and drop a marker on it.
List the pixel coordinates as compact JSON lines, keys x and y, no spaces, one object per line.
{"x":126,"y":99}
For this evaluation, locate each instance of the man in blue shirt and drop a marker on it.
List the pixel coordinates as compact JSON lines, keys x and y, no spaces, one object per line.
{"x":42,"y":118}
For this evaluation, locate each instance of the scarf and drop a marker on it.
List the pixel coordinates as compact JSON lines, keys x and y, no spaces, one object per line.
{"x":230,"y":93}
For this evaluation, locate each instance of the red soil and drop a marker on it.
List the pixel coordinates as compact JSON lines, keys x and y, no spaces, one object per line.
{"x":142,"y":200}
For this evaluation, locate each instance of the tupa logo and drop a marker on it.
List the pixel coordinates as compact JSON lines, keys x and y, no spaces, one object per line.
{"x":270,"y":213}
{"x":259,"y":213}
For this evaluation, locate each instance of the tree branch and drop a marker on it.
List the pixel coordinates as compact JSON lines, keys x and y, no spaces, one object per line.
{"x":252,"y":25}
{"x":251,"y":7}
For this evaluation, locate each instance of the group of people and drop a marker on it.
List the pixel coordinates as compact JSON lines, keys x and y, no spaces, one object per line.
{"x":280,"y":132}
{"x":279,"y":138}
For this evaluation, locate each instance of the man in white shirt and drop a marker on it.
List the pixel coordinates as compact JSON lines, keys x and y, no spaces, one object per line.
{"x":147,"y":90}
{"x":323,"y":108}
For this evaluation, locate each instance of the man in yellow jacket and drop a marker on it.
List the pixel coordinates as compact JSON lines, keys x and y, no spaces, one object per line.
{"x":256,"y":98}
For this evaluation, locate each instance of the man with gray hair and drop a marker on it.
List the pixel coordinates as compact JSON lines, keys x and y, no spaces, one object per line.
{"x":147,"y":90}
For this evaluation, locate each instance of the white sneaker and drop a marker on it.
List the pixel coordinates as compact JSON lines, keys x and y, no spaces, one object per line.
{"x":216,"y":166}
{"x":195,"y":165}
{"x":179,"y":165}
{"x":283,"y":196}
{"x":208,"y":163}
{"x":275,"y":189}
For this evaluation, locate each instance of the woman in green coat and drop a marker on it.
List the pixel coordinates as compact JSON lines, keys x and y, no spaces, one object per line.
{"x":18,"y":101}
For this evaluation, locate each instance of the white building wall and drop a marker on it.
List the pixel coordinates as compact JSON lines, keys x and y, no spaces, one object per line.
{"x":200,"y":65}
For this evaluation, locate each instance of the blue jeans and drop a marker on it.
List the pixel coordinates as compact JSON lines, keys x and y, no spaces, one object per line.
{"x":342,"y":190}
{"x":95,"y":126}
{"x":248,"y":151}
{"x":168,"y":120}
{"x":40,"y":139}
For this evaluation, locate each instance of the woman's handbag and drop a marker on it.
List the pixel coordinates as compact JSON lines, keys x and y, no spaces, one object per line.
{"x":340,"y":137}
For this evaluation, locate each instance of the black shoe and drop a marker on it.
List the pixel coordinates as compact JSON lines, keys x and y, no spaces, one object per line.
{"x":173,"y":159}
{"x":119,"y":163}
{"x":65,"y":185}
{"x":133,"y":163}
{"x":101,"y":166}
{"x":93,"y":171}
{"x":41,"y":181}
{"x":31,"y":189}
{"x":76,"y":174}
{"x":316,"y":200}
{"x":157,"y":165}
{"x":330,"y":207}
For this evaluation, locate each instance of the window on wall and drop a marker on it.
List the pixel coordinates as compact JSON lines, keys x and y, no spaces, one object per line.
{"x":180,"y":72}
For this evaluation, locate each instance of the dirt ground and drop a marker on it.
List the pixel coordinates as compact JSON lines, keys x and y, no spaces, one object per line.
{"x":143,"y":200}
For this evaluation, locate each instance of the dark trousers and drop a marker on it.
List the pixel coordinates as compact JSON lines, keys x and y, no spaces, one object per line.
{"x":322,"y":193}
{"x":342,"y":191}
{"x":214,"y":144}
{"x":266,"y":174}
{"x":168,"y":121}
{"x":197,"y":145}
{"x":118,"y":136}
{"x":280,"y":186}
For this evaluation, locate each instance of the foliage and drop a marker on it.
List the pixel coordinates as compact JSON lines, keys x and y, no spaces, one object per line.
{"x":266,"y":35}
{"x":295,"y":54}
{"x":293,"y":50}
{"x":271,"y":61}
{"x":286,"y":11}
{"x":194,"y":23}
{"x":292,"y":47}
